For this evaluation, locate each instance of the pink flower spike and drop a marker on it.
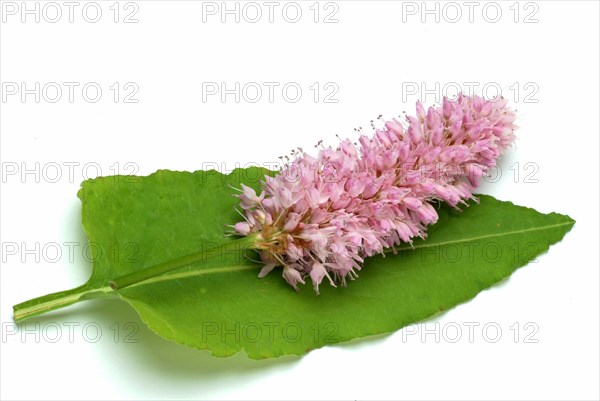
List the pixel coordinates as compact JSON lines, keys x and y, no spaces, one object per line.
{"x":322,"y":215}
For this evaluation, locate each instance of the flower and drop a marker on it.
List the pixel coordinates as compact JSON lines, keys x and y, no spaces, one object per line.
{"x":321,"y":216}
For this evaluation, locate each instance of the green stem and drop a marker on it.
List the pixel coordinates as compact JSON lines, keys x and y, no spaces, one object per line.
{"x":157,"y":270}
{"x":46,"y":303}
{"x":57,"y":300}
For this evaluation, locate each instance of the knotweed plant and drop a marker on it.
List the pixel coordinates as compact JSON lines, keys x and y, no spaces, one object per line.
{"x":316,"y":220}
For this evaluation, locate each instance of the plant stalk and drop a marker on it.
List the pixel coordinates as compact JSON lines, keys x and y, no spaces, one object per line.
{"x":57,"y":300}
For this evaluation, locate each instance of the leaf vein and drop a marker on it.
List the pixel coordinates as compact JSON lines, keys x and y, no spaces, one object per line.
{"x":235,"y":268}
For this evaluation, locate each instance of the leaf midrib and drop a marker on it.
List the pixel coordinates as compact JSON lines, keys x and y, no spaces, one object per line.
{"x":430,"y":244}
{"x":235,"y":268}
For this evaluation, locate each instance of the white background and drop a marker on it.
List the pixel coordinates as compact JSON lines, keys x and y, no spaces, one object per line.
{"x":546,"y":63}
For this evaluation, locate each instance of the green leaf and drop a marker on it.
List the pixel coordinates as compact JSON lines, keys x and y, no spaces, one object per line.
{"x":220,"y":304}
